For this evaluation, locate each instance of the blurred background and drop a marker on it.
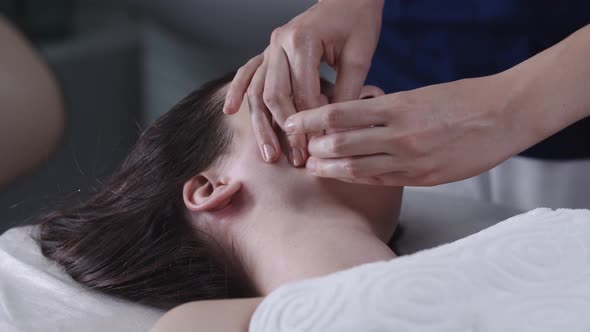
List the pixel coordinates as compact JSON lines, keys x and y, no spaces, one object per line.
{"x":119,"y":65}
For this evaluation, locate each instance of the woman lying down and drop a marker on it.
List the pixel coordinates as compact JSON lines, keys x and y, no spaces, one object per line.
{"x":195,"y":214}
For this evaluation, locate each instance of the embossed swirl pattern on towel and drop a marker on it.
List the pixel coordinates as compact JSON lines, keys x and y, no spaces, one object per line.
{"x":414,"y":296}
{"x":300,"y":307}
{"x":541,"y":314}
{"x":528,"y":274}
{"x":534,"y":258}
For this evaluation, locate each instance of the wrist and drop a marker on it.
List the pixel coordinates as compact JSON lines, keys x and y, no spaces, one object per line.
{"x":548,"y":92}
{"x":522,"y":122}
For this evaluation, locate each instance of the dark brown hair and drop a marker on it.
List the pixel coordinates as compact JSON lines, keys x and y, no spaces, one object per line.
{"x":131,"y":238}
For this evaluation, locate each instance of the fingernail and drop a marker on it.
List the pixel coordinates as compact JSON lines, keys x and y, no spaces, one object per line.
{"x":296,"y":157}
{"x":289,"y":126}
{"x":268,"y":152}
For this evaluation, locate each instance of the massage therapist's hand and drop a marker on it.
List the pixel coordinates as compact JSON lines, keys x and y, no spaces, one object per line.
{"x":448,"y":132}
{"x":428,"y":136}
{"x":285,"y":79}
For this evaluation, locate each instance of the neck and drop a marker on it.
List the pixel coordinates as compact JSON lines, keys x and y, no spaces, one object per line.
{"x":310,"y":244}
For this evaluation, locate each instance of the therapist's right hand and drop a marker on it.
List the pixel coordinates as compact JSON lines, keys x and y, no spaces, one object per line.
{"x":285,"y":79}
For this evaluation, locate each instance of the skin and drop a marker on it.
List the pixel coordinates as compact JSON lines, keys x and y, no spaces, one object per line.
{"x":422,"y":137}
{"x":429,"y":136}
{"x":281,"y":223}
{"x":31,"y":116}
{"x":285,"y":78}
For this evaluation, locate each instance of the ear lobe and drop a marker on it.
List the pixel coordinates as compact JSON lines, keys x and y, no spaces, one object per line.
{"x":371,"y":91}
{"x":202,"y":195}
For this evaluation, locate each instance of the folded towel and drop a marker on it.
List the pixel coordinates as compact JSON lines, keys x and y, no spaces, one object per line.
{"x":528,"y":273}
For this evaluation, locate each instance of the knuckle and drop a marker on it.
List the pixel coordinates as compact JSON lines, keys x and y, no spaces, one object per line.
{"x":330,"y":118}
{"x":276,"y":34}
{"x":351,"y":168}
{"x":253,"y":92}
{"x":336,"y":144}
{"x":412,"y":145}
{"x":271,"y":98}
{"x":300,"y":36}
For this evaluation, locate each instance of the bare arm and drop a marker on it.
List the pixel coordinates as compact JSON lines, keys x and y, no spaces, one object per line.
{"x":31,"y":107}
{"x":429,"y":136}
{"x":210,"y":316}
{"x":550,"y":90}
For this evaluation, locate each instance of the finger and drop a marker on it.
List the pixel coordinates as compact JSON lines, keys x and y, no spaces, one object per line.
{"x":394,"y":179}
{"x":305,"y":55}
{"x":324,"y":101}
{"x":358,"y":113}
{"x":277,"y":86}
{"x":261,"y":122}
{"x":352,"y":71}
{"x":354,"y":167}
{"x":277,"y":97}
{"x":327,"y":90}
{"x":239,"y":85}
{"x":365,"y":141}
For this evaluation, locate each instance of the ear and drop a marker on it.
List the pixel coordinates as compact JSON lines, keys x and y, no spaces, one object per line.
{"x":371,"y":91}
{"x":201,"y":194}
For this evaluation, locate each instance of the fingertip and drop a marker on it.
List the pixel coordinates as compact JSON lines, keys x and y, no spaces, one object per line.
{"x":312,"y":164}
{"x":227,"y":105}
{"x":298,"y":157}
{"x":269,"y":153}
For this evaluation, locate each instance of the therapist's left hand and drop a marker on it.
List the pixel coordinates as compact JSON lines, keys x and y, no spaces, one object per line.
{"x":428,"y":136}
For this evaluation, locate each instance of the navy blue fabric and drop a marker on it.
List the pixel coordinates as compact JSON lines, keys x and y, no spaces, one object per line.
{"x":426,"y":42}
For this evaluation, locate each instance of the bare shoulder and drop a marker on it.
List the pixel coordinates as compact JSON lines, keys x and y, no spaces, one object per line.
{"x":32,"y":111}
{"x":219,"y":315}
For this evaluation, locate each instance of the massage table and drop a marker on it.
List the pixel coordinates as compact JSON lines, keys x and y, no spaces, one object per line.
{"x":440,"y":244}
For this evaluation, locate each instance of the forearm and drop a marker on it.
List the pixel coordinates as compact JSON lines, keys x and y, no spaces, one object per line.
{"x":31,"y":109}
{"x":549,"y":91}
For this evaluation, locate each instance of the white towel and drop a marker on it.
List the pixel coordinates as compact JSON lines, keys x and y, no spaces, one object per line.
{"x":528,"y":273}
{"x":35,"y":295}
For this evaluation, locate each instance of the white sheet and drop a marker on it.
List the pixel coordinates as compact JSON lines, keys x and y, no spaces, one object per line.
{"x":529,"y":273}
{"x":522,"y":183}
{"x":36,"y":296}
